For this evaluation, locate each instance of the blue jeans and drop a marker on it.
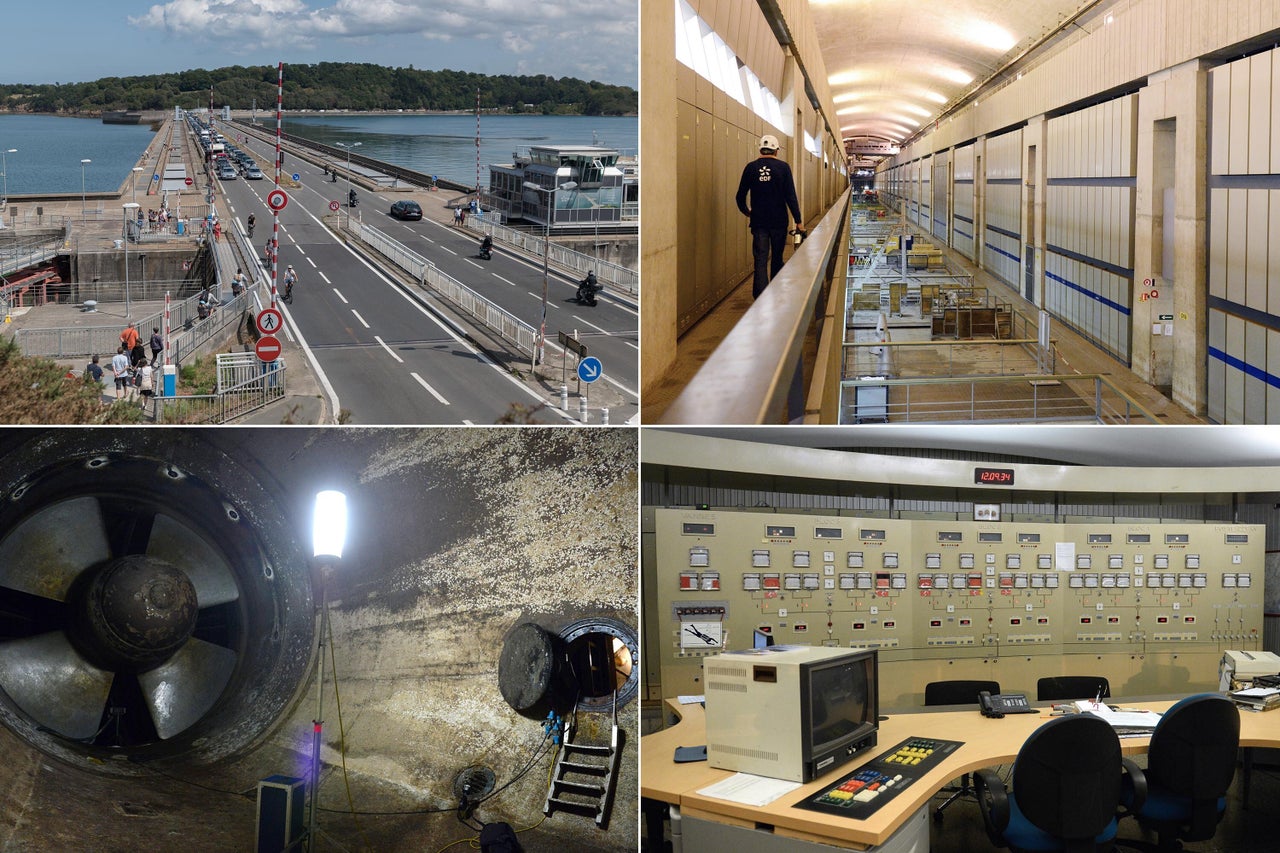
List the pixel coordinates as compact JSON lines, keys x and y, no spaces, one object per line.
{"x":763,"y":242}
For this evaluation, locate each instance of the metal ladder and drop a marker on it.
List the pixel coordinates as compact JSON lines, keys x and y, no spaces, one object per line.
{"x":593,"y":779}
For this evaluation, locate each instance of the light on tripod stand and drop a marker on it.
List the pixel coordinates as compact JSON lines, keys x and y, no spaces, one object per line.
{"x":329,"y":525}
{"x":328,"y":536}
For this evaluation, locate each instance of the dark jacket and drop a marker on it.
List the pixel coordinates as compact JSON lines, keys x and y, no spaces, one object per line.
{"x":773,"y":192}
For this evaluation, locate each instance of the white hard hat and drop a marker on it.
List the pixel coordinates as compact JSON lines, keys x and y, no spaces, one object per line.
{"x":769,"y":142}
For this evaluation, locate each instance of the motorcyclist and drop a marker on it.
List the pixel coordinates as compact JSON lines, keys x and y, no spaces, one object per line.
{"x":250,"y":223}
{"x":351,"y":199}
{"x":486,"y":247}
{"x":588,"y":288}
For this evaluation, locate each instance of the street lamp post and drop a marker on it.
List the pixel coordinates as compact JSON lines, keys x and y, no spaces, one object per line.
{"x":128,"y":209}
{"x":546,"y":262}
{"x":348,"y":147}
{"x":83,"y":204}
{"x":136,"y":174}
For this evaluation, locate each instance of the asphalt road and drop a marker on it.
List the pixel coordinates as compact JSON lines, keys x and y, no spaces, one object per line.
{"x":387,"y":357}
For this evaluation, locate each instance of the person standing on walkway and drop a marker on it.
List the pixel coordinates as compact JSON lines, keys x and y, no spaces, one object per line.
{"x":120,"y":369}
{"x":157,"y":345}
{"x":767,"y":180}
{"x":129,"y":337}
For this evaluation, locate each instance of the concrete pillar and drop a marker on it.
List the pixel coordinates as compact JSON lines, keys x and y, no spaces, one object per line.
{"x":1035,"y":187}
{"x":1172,"y":122}
{"x":659,"y":225}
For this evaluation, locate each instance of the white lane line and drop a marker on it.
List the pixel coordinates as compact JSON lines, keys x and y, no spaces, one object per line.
{"x":592,"y":325}
{"x":340,"y":296}
{"x":325,"y":277}
{"x":361,"y":319}
{"x":434,"y":392}
{"x":406,"y":227}
{"x":473,"y":263}
{"x":313,"y":263}
{"x":447,"y":249}
{"x":501,"y":278}
{"x":467,"y":422}
{"x":390,"y":351}
{"x":635,"y":347}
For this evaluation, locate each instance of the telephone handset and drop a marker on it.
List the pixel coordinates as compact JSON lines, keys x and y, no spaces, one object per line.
{"x":1005,"y":703}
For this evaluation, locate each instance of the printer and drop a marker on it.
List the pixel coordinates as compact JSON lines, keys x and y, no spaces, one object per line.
{"x":1246,"y":666}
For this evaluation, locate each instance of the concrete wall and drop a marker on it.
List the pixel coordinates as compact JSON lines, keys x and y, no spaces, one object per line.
{"x":456,"y":537}
{"x":1134,"y":124}
{"x":696,"y":247}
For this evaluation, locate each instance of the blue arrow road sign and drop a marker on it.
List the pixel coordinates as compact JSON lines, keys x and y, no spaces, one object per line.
{"x":590,"y":369}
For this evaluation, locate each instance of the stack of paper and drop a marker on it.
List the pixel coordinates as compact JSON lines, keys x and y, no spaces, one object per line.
{"x":1126,"y":721}
{"x":1258,"y":698}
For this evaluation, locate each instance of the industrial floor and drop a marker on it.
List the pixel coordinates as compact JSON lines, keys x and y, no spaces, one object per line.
{"x":1078,"y":355}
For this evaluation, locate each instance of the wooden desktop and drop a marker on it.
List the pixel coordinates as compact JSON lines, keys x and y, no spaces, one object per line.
{"x":987,"y":742}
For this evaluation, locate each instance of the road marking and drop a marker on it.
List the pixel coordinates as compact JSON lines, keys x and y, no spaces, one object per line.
{"x":473,"y":263}
{"x":507,"y":280}
{"x":325,"y":277}
{"x":340,"y":296}
{"x":466,"y":422}
{"x":358,"y":317}
{"x":592,"y":325}
{"x":434,"y":392}
{"x":447,"y":249}
{"x":313,"y":263}
{"x":390,"y":351}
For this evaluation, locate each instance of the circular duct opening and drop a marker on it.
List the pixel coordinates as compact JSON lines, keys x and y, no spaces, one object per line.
{"x":154,"y":604}
{"x":602,"y":654}
{"x":585,"y":663}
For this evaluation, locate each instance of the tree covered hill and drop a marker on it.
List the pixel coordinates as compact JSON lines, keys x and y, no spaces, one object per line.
{"x":325,"y":86}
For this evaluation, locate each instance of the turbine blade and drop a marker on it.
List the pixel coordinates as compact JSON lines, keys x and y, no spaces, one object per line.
{"x":182,"y":689}
{"x":178,"y":544}
{"x":43,"y":554}
{"x":53,"y":685}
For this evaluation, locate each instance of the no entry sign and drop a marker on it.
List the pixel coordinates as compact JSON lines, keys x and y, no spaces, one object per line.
{"x":267,"y":348}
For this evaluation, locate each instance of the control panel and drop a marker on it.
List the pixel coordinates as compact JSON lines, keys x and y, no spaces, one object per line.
{"x":858,"y":794}
{"x":954,"y":599}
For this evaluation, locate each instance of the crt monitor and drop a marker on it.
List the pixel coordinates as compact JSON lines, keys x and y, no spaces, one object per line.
{"x":790,"y":712}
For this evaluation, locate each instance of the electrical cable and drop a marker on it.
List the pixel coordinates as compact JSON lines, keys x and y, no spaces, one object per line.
{"x":342,"y":732}
{"x":247,"y":794}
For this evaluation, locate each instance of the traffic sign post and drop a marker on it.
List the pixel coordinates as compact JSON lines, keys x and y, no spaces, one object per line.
{"x":277,"y":199}
{"x":589,"y":370}
{"x":335,"y":206}
{"x":188,"y":182}
{"x":267,"y":348}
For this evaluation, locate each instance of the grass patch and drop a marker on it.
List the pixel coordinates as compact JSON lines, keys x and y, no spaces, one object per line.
{"x":37,"y":390}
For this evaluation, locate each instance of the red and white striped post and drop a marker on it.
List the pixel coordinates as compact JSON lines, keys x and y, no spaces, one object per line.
{"x":477,"y":148}
{"x":166,"y":328}
{"x":275,"y":214}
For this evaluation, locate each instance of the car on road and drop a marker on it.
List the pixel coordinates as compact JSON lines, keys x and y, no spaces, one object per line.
{"x":226,"y":173}
{"x":406,"y":210}
{"x":252,"y":173}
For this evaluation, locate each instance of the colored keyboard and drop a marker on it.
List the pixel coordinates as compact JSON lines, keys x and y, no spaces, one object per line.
{"x":863,"y":791}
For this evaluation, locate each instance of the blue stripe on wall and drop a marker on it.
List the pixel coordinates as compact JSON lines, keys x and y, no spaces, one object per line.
{"x":1089,"y":293}
{"x":999,"y":251}
{"x":1244,"y":367}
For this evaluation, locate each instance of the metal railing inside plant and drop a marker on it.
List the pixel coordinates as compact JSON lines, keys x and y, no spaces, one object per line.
{"x":1047,"y":398}
{"x":933,"y":359}
{"x":494,"y":317}
{"x":608,"y":273}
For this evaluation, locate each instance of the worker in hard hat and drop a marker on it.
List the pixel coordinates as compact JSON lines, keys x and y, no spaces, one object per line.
{"x":767,"y":180}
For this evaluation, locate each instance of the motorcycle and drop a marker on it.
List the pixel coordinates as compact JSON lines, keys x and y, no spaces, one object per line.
{"x":587,"y":290}
{"x":486,"y":248}
{"x":352,"y":201}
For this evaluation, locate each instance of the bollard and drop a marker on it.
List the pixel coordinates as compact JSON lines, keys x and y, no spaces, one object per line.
{"x":170,"y":380}
{"x":604,"y":416}
{"x":564,"y":398}
{"x":582,"y":409}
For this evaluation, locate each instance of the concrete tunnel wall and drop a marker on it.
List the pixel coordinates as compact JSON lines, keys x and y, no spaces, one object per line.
{"x":456,"y":537}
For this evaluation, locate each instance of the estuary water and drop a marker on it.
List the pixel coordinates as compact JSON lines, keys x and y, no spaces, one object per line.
{"x":50,"y":148}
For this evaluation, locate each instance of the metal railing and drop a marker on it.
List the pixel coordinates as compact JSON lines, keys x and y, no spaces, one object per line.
{"x":233,"y":402}
{"x":756,"y":374}
{"x":493,"y":316}
{"x":611,"y":274}
{"x":1083,"y":398}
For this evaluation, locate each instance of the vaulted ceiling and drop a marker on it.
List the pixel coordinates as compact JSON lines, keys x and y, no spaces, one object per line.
{"x":896,"y":66}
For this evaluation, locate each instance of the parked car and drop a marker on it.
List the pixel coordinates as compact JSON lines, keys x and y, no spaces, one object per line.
{"x":406,"y":210}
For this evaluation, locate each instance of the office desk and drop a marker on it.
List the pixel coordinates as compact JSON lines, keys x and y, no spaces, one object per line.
{"x":987,"y":742}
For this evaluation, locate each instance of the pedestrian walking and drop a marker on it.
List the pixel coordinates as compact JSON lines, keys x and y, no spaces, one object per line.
{"x":120,"y":369}
{"x":157,"y":345}
{"x":767,"y":180}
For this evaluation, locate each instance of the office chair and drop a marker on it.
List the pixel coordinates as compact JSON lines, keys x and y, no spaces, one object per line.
{"x":1066,"y":786}
{"x":1190,"y":765}
{"x":1056,"y":688}
{"x":956,"y":693}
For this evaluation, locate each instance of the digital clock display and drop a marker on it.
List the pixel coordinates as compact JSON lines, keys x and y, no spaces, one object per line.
{"x":993,"y":476}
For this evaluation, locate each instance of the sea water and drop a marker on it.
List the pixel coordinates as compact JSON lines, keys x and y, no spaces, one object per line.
{"x":50,"y":149}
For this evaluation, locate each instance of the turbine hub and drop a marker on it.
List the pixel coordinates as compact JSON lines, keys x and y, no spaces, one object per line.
{"x":133,"y":613}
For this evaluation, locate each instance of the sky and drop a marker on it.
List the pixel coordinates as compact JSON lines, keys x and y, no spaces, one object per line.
{"x":89,"y":39}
